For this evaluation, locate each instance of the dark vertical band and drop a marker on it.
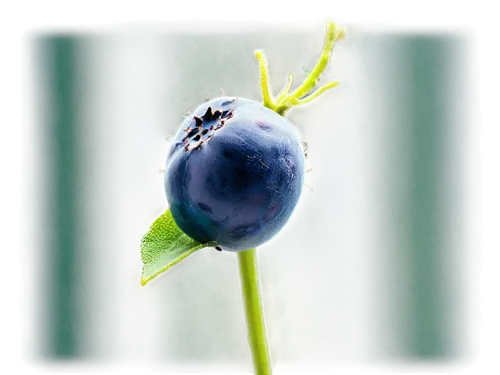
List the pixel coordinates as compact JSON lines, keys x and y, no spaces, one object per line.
{"x":429,"y":102}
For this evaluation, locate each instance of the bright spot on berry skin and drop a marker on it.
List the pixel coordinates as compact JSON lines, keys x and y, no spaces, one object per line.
{"x":263,"y":125}
{"x":291,"y":166}
{"x":272,"y":211}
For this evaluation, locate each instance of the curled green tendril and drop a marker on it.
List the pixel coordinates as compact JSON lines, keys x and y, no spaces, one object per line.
{"x":303,"y":94}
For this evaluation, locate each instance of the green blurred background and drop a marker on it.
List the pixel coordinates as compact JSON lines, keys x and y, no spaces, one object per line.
{"x":372,"y":266}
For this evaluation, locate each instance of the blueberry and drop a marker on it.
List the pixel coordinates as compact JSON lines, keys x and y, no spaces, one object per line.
{"x":234,"y":173}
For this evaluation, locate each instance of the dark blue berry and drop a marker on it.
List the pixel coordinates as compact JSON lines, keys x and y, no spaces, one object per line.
{"x":234,"y":173}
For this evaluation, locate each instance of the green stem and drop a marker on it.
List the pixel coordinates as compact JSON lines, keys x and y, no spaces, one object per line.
{"x":304,"y":93}
{"x":257,"y":338}
{"x":247,"y":260}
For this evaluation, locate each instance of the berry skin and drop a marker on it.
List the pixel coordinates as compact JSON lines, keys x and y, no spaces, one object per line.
{"x":234,"y":173}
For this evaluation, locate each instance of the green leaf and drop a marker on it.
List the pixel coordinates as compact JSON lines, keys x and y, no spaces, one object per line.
{"x":165,"y":245}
